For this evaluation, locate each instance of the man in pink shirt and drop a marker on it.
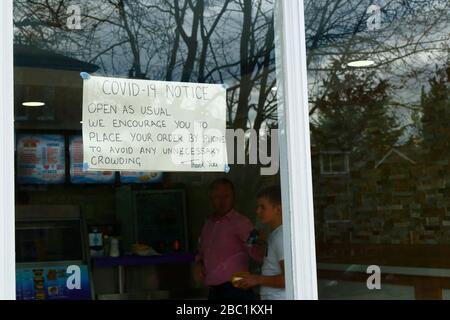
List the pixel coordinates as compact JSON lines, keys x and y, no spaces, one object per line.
{"x":223,"y":248}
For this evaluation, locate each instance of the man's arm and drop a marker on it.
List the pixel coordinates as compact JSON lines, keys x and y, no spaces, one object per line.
{"x":199,"y":269}
{"x":253,"y":280}
{"x":274,"y":281}
{"x":199,"y":255}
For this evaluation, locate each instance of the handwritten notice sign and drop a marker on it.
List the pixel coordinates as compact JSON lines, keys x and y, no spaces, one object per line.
{"x":141,"y":125}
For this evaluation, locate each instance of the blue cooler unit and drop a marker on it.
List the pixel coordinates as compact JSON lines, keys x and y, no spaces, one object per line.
{"x":51,"y":254}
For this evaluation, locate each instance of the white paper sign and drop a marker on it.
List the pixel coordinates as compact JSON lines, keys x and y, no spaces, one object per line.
{"x":141,"y":125}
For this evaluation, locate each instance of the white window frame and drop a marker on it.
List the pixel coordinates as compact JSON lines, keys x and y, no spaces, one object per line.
{"x":295,"y":152}
{"x":295,"y":159}
{"x":7,"y":239}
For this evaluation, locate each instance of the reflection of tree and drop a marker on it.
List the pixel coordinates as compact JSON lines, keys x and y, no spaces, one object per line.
{"x":232,"y":42}
{"x":207,"y":41}
{"x":411,"y":34}
{"x":436,"y":116}
{"x":368,"y":111}
{"x":186,"y":40}
{"x":255,"y":68}
{"x":355,"y":116}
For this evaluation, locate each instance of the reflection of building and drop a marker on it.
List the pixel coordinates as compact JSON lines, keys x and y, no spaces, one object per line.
{"x":52,"y":78}
{"x":395,"y":199}
{"x":392,"y":152}
{"x":334,"y":162}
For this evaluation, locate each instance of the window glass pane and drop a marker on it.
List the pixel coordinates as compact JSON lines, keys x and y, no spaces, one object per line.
{"x":378,"y":76}
{"x":143,"y":225}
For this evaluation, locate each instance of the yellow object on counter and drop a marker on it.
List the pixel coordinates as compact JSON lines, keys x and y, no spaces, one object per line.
{"x":235,"y":277}
{"x":141,"y":249}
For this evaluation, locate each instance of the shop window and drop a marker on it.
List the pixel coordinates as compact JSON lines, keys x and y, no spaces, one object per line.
{"x":378,"y":75}
{"x":137,"y":228}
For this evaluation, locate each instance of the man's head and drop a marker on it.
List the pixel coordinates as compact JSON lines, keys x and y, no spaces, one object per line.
{"x":268,"y":207}
{"x":222,"y":196}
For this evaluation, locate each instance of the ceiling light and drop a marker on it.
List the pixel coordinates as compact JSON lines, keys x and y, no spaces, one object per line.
{"x":33,"y":104}
{"x":361,"y":63}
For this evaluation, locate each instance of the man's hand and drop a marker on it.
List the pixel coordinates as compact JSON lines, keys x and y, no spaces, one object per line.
{"x":199,"y":272}
{"x":248,"y":281}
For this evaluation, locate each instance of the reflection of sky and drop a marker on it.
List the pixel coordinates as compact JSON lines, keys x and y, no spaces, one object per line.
{"x":103,"y":41}
{"x":419,"y":33}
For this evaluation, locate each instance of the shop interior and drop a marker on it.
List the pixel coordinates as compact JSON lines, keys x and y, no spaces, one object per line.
{"x":134,"y":235}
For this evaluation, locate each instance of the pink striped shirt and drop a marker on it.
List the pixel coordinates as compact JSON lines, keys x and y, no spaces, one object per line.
{"x":223,"y":248}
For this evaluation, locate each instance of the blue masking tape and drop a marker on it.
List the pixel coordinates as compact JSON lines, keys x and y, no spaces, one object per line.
{"x":85,"y":75}
{"x":227,"y":168}
{"x":85,"y":166}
